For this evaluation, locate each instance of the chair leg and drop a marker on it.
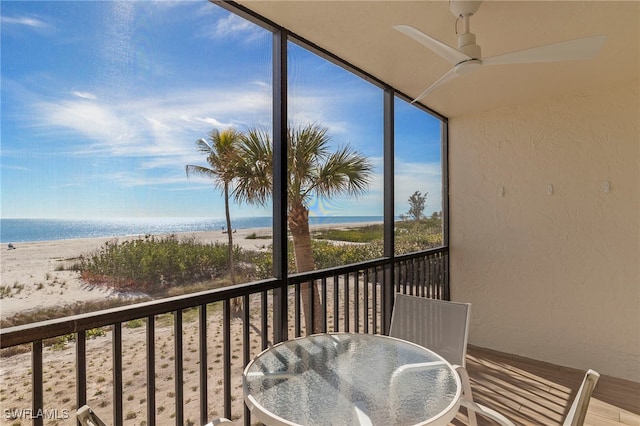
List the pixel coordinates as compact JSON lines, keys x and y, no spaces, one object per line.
{"x":218,"y":421}
{"x":466,"y":393}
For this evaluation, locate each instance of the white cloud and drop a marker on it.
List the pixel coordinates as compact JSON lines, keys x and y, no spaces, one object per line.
{"x":12,"y":167}
{"x":25,"y":21}
{"x":161,"y":131}
{"x":232,"y":25}
{"x":214,"y":123}
{"x":90,"y":119}
{"x":84,"y":95}
{"x":140,"y":179}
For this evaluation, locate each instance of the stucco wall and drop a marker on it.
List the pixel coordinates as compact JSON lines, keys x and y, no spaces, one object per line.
{"x":553,"y":277}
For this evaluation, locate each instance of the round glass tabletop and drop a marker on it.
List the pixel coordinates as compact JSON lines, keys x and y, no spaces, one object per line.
{"x":350,"y":379}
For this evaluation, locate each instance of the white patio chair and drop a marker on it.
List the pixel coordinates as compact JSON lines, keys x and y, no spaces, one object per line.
{"x":87,"y":417}
{"x":218,"y":421}
{"x":442,"y":327}
{"x":578,"y":410}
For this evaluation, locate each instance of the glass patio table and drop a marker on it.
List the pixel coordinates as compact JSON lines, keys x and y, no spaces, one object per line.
{"x":350,"y":379}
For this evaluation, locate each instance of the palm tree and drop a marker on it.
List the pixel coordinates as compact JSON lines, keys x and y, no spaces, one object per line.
{"x":222,"y":154}
{"x":314,"y":171}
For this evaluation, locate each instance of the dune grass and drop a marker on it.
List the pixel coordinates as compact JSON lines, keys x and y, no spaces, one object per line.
{"x":410,"y":235}
{"x":153,"y":264}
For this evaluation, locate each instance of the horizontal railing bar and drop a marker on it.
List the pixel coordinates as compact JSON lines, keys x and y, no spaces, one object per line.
{"x":420,"y":254}
{"x":27,"y":333}
{"x":355,"y":267}
{"x":337,"y":270}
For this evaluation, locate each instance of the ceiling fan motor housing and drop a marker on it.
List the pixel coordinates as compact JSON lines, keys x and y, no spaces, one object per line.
{"x":462,"y":8}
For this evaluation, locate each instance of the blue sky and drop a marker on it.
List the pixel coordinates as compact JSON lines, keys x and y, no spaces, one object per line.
{"x":102,"y":103}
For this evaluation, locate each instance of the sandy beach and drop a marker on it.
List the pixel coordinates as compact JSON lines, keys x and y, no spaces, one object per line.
{"x":30,"y":272}
{"x":31,"y":278}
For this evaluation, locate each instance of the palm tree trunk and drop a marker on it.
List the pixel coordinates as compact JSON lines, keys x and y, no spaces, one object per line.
{"x":235,"y":308}
{"x":299,"y":226}
{"x":232,"y":270}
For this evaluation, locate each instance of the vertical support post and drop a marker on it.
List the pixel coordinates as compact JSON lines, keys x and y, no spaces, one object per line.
{"x":389,"y":242}
{"x":118,"y":416}
{"x":366,"y":300}
{"x":264,"y":314}
{"x":151,"y":370}
{"x":336,"y":304}
{"x":246,"y":346}
{"x":356,"y":302}
{"x":36,"y":383}
{"x":280,"y":181}
{"x":81,"y":368}
{"x":445,"y":203}
{"x":202,"y":337}
{"x":226,"y":355}
{"x":326,"y":307}
{"x":347,"y":303}
{"x":297,"y":327}
{"x":179,"y":374}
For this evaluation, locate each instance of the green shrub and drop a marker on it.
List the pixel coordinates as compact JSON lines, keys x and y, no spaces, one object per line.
{"x":327,"y":255}
{"x":160,"y":265}
{"x":60,"y":342}
{"x":152,"y":264}
{"x":363,"y":234}
{"x":5,"y":291}
{"x":136,"y":323}
{"x":416,"y":235}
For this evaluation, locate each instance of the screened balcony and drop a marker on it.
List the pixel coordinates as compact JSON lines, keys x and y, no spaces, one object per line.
{"x":540,"y":210}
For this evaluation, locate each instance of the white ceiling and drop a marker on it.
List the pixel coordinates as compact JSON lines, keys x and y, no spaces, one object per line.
{"x":361,"y":33}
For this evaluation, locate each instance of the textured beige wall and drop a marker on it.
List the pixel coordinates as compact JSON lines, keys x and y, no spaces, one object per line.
{"x":553,"y":277}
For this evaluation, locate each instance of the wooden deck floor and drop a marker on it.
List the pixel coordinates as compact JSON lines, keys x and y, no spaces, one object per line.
{"x":535,"y":393}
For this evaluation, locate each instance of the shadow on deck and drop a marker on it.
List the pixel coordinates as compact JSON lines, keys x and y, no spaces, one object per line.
{"x":531,"y":392}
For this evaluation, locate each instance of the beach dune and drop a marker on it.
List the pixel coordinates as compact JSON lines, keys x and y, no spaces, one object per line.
{"x":32,"y":275}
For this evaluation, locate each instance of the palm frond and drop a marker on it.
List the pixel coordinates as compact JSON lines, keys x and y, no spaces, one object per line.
{"x":345,"y":172}
{"x":253,"y":170}
{"x":221,"y":154}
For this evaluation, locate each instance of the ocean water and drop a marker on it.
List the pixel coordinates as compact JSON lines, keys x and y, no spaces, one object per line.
{"x":26,"y":230}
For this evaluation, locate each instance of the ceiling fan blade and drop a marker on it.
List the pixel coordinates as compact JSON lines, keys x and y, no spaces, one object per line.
{"x":572,"y":50}
{"x":447,"y":52}
{"x":448,"y":76}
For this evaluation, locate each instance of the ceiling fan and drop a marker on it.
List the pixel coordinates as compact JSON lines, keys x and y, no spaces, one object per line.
{"x":467,"y":57}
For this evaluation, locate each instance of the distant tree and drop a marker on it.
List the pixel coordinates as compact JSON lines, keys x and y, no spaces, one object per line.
{"x":416,"y":206}
{"x":222,"y":156}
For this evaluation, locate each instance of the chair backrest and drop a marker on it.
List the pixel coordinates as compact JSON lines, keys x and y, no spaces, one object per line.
{"x":578,"y":410}
{"x":438,"y":325}
{"x":86,"y":417}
